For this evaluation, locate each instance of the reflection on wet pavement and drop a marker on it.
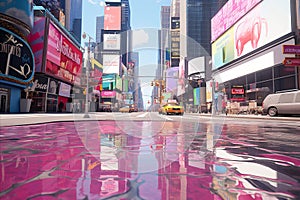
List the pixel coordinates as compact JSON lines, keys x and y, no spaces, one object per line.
{"x":149,"y":160}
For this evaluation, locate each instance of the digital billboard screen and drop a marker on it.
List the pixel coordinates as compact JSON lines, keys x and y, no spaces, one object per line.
{"x":111,"y":41}
{"x":256,"y":29}
{"x":228,"y":15}
{"x":112,"y":18}
{"x":64,"y":59}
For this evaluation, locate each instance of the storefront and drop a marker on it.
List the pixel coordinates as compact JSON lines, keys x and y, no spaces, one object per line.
{"x":248,"y":67}
{"x":17,"y":70}
{"x":58,"y":59}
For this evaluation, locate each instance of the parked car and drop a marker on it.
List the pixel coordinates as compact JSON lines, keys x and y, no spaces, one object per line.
{"x":172,"y":108}
{"x":282,"y":103}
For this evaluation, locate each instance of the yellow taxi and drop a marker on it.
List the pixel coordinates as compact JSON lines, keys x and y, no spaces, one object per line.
{"x":172,"y":108}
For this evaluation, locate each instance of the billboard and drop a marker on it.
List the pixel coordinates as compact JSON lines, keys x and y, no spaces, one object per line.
{"x":256,"y":29}
{"x":108,"y":94}
{"x":228,"y":15}
{"x":111,"y":64}
{"x":36,"y":40}
{"x":64,"y":59}
{"x":172,"y":80}
{"x":17,"y":62}
{"x":112,"y":18}
{"x":109,"y":81}
{"x":175,"y":23}
{"x":181,"y":78}
{"x":111,"y":41}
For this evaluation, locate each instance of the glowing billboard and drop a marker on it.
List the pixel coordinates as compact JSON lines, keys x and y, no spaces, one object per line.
{"x":111,"y":41}
{"x":112,"y":18}
{"x":256,"y":29}
{"x":228,"y":15}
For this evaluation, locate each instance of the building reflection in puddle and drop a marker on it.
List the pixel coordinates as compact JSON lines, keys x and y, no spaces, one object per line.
{"x":153,"y":160}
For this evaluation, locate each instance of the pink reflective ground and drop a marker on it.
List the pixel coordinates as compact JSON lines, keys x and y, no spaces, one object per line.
{"x":109,"y":160}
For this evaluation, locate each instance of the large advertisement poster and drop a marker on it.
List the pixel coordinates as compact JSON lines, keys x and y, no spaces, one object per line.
{"x":111,"y":64}
{"x":256,"y":29}
{"x":181,"y":78}
{"x":36,"y":40}
{"x":111,"y":41}
{"x":172,"y":80}
{"x":112,"y":18}
{"x":228,"y":15}
{"x":64,"y":60}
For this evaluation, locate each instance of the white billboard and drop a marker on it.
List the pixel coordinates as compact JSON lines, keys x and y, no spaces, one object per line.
{"x":111,"y":41}
{"x":265,"y":23}
{"x":111,"y":64}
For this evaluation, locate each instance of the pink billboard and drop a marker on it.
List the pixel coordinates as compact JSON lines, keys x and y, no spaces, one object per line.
{"x":112,"y":18}
{"x":108,"y":94}
{"x":36,"y":40}
{"x":228,"y":15}
{"x":64,"y":59}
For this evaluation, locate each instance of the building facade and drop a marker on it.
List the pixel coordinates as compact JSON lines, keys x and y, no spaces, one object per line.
{"x":249,"y":66}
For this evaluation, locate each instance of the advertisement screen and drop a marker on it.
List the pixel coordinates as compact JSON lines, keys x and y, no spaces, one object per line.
{"x":111,"y":64}
{"x":112,"y":18}
{"x":256,"y":29}
{"x":64,"y":59}
{"x":181,"y":78}
{"x":108,"y":94}
{"x":172,"y":80}
{"x":111,"y":41}
{"x":36,"y":40}
{"x":228,"y":15}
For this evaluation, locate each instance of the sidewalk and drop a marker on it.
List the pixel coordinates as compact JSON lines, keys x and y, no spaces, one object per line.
{"x":252,"y":116}
{"x":36,"y":118}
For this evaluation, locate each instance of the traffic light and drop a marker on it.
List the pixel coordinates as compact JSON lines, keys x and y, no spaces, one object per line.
{"x":151,"y":83}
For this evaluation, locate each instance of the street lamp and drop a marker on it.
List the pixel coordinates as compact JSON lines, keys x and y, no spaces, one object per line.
{"x":87,"y":71}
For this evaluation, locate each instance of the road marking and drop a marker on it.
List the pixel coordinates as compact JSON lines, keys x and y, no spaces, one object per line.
{"x":142,"y":115}
{"x":165,"y":117}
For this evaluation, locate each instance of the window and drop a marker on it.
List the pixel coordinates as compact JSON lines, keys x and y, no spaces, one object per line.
{"x":283,"y":71}
{"x":286,"y":98}
{"x":297,"y":97}
{"x":287,"y":83}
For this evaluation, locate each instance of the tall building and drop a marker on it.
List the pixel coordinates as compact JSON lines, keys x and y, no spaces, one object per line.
{"x":72,"y":10}
{"x":125,"y":18}
{"x":73,"y":16}
{"x":175,"y":32}
{"x":164,"y":37}
{"x":99,"y":28}
{"x":198,"y":17}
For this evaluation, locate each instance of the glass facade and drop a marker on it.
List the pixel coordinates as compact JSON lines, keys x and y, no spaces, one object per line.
{"x":261,"y":83}
{"x":199,"y":14}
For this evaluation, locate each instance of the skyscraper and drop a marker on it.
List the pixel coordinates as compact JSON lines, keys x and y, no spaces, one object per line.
{"x":73,"y":13}
{"x":198,"y":16}
{"x":99,"y":27}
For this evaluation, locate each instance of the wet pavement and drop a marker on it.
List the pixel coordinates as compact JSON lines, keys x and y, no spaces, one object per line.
{"x":213,"y":159}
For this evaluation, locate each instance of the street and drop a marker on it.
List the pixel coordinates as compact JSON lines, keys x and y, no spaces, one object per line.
{"x":149,"y":156}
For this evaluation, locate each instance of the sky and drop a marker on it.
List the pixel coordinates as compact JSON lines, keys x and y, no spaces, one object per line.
{"x":145,"y":20}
